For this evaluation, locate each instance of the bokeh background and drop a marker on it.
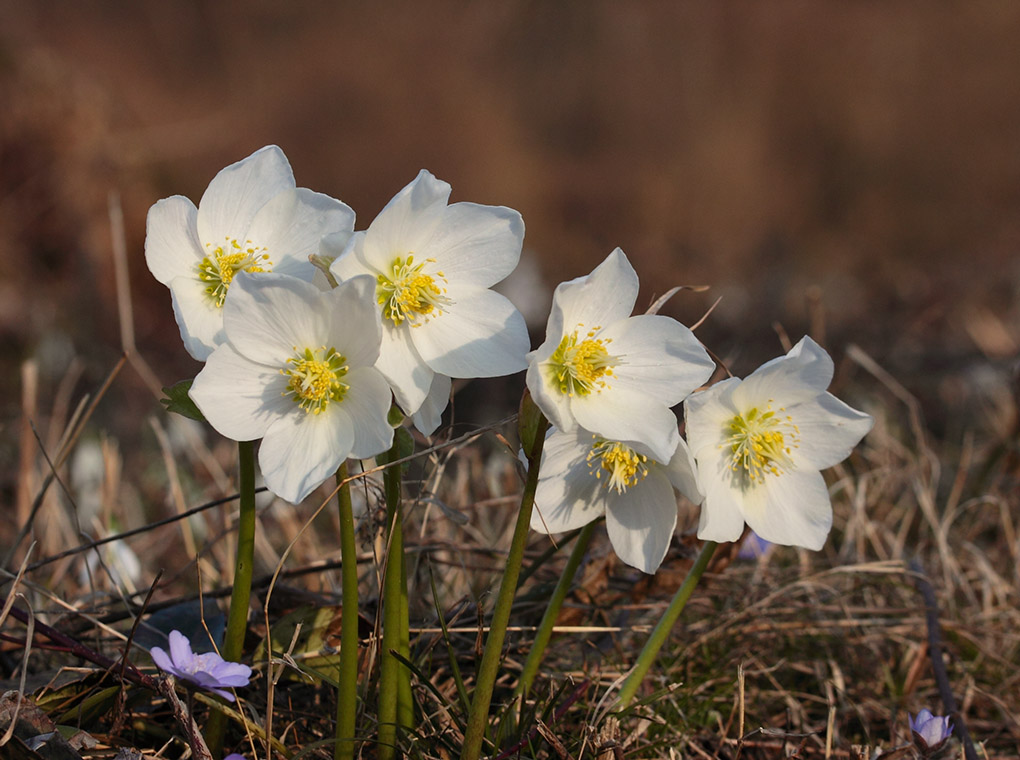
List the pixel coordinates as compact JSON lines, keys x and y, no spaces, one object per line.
{"x":848,"y":169}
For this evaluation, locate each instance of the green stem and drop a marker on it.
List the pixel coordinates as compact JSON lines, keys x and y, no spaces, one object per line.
{"x":391,"y":672}
{"x":347,"y":682}
{"x":240,"y":596}
{"x":665,"y":626}
{"x":552,"y":611}
{"x":489,"y":666}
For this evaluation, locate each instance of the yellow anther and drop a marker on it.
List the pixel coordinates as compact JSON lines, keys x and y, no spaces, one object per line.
{"x":580,"y":367}
{"x":217,"y":269}
{"x":760,"y":444}
{"x":406,"y":292}
{"x":316,"y":378}
{"x":625,"y":466}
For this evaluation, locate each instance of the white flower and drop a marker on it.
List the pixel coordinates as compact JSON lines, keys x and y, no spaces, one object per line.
{"x":611,"y":373}
{"x":583,"y":476}
{"x":297,"y":371}
{"x":251,"y":218}
{"x":434,"y":264}
{"x":760,"y":444}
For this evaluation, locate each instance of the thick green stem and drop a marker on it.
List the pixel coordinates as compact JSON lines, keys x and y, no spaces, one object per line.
{"x":240,"y":596}
{"x":552,"y":611}
{"x":665,"y":626}
{"x":347,"y":682}
{"x":489,"y":666}
{"x":392,"y":674}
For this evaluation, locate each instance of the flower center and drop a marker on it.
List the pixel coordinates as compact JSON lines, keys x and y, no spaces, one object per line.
{"x":217,"y":269}
{"x":405,"y":292}
{"x":579,"y":366}
{"x":624,"y":465}
{"x":760,"y":443}
{"x":316,"y":378}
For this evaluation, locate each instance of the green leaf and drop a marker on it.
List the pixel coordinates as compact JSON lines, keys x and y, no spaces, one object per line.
{"x":179,"y":402}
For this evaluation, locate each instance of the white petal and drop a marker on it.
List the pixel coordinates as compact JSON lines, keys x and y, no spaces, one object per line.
{"x":722,"y":515}
{"x":804,"y":373}
{"x":368,"y":403}
{"x":301,"y":450}
{"x":347,"y":259}
{"x":267,"y":316}
{"x":172,"y":248}
{"x":641,"y":521}
{"x":605,"y":296}
{"x":620,"y":414}
{"x":682,"y":473}
{"x":658,"y":356}
{"x":355,"y":326}
{"x":292,"y":224}
{"x":546,"y":395}
{"x":408,"y":376}
{"x":408,"y":222}
{"x":430,"y":413}
{"x":792,"y":509}
{"x":200,"y":320}
{"x":240,"y":398}
{"x":568,"y":495}
{"x":476,"y":245}
{"x":829,"y":430}
{"x":480,"y":335}
{"x":707,"y":413}
{"x":235,"y":195}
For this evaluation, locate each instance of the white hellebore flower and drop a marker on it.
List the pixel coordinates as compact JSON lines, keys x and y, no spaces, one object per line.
{"x":251,"y":218}
{"x":583,"y":476}
{"x":611,"y":373}
{"x":760,"y":444}
{"x":297,"y":370}
{"x":433,"y":265}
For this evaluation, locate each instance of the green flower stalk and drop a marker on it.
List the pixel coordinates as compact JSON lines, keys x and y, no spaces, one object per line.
{"x":532,"y":424}
{"x":240,"y":596}
{"x":347,"y":681}
{"x":665,"y":626}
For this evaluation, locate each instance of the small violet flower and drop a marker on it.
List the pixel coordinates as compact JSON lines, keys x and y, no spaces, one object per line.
{"x":434,"y":264}
{"x":930,"y":731}
{"x":760,"y":445}
{"x":207,"y":671}
{"x":251,"y":218}
{"x":297,"y":370}
{"x":583,"y":476}
{"x":610,"y":373}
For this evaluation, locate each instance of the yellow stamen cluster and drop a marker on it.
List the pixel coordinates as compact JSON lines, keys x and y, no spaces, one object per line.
{"x":217,"y":269}
{"x":625,"y":466}
{"x":316,"y":378}
{"x":405,"y":292}
{"x":578,"y":367}
{"x":760,"y":443}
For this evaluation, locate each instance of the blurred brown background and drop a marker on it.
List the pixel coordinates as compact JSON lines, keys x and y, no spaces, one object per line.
{"x":852,"y":168}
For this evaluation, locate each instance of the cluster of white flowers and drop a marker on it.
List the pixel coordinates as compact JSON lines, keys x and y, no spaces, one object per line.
{"x":306,"y":358}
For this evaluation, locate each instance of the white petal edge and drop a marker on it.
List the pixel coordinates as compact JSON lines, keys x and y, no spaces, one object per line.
{"x":408,"y":376}
{"x":354,"y":325}
{"x":172,"y":247}
{"x":430,"y":413}
{"x":829,"y":430}
{"x":481,"y":335}
{"x":802,"y":374}
{"x":641,"y":521}
{"x":792,"y":509}
{"x":237,"y":192}
{"x":568,"y":495}
{"x":605,"y":296}
{"x":367,"y":402}
{"x":200,"y":321}
{"x":300,"y":450}
{"x":476,"y":245}
{"x":240,"y":398}
{"x":407,"y":222}
{"x":619,"y":414}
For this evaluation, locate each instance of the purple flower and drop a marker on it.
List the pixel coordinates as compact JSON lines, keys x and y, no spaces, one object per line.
{"x":930,"y":731}
{"x":234,"y":756}
{"x":207,"y":671}
{"x":753,"y":547}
